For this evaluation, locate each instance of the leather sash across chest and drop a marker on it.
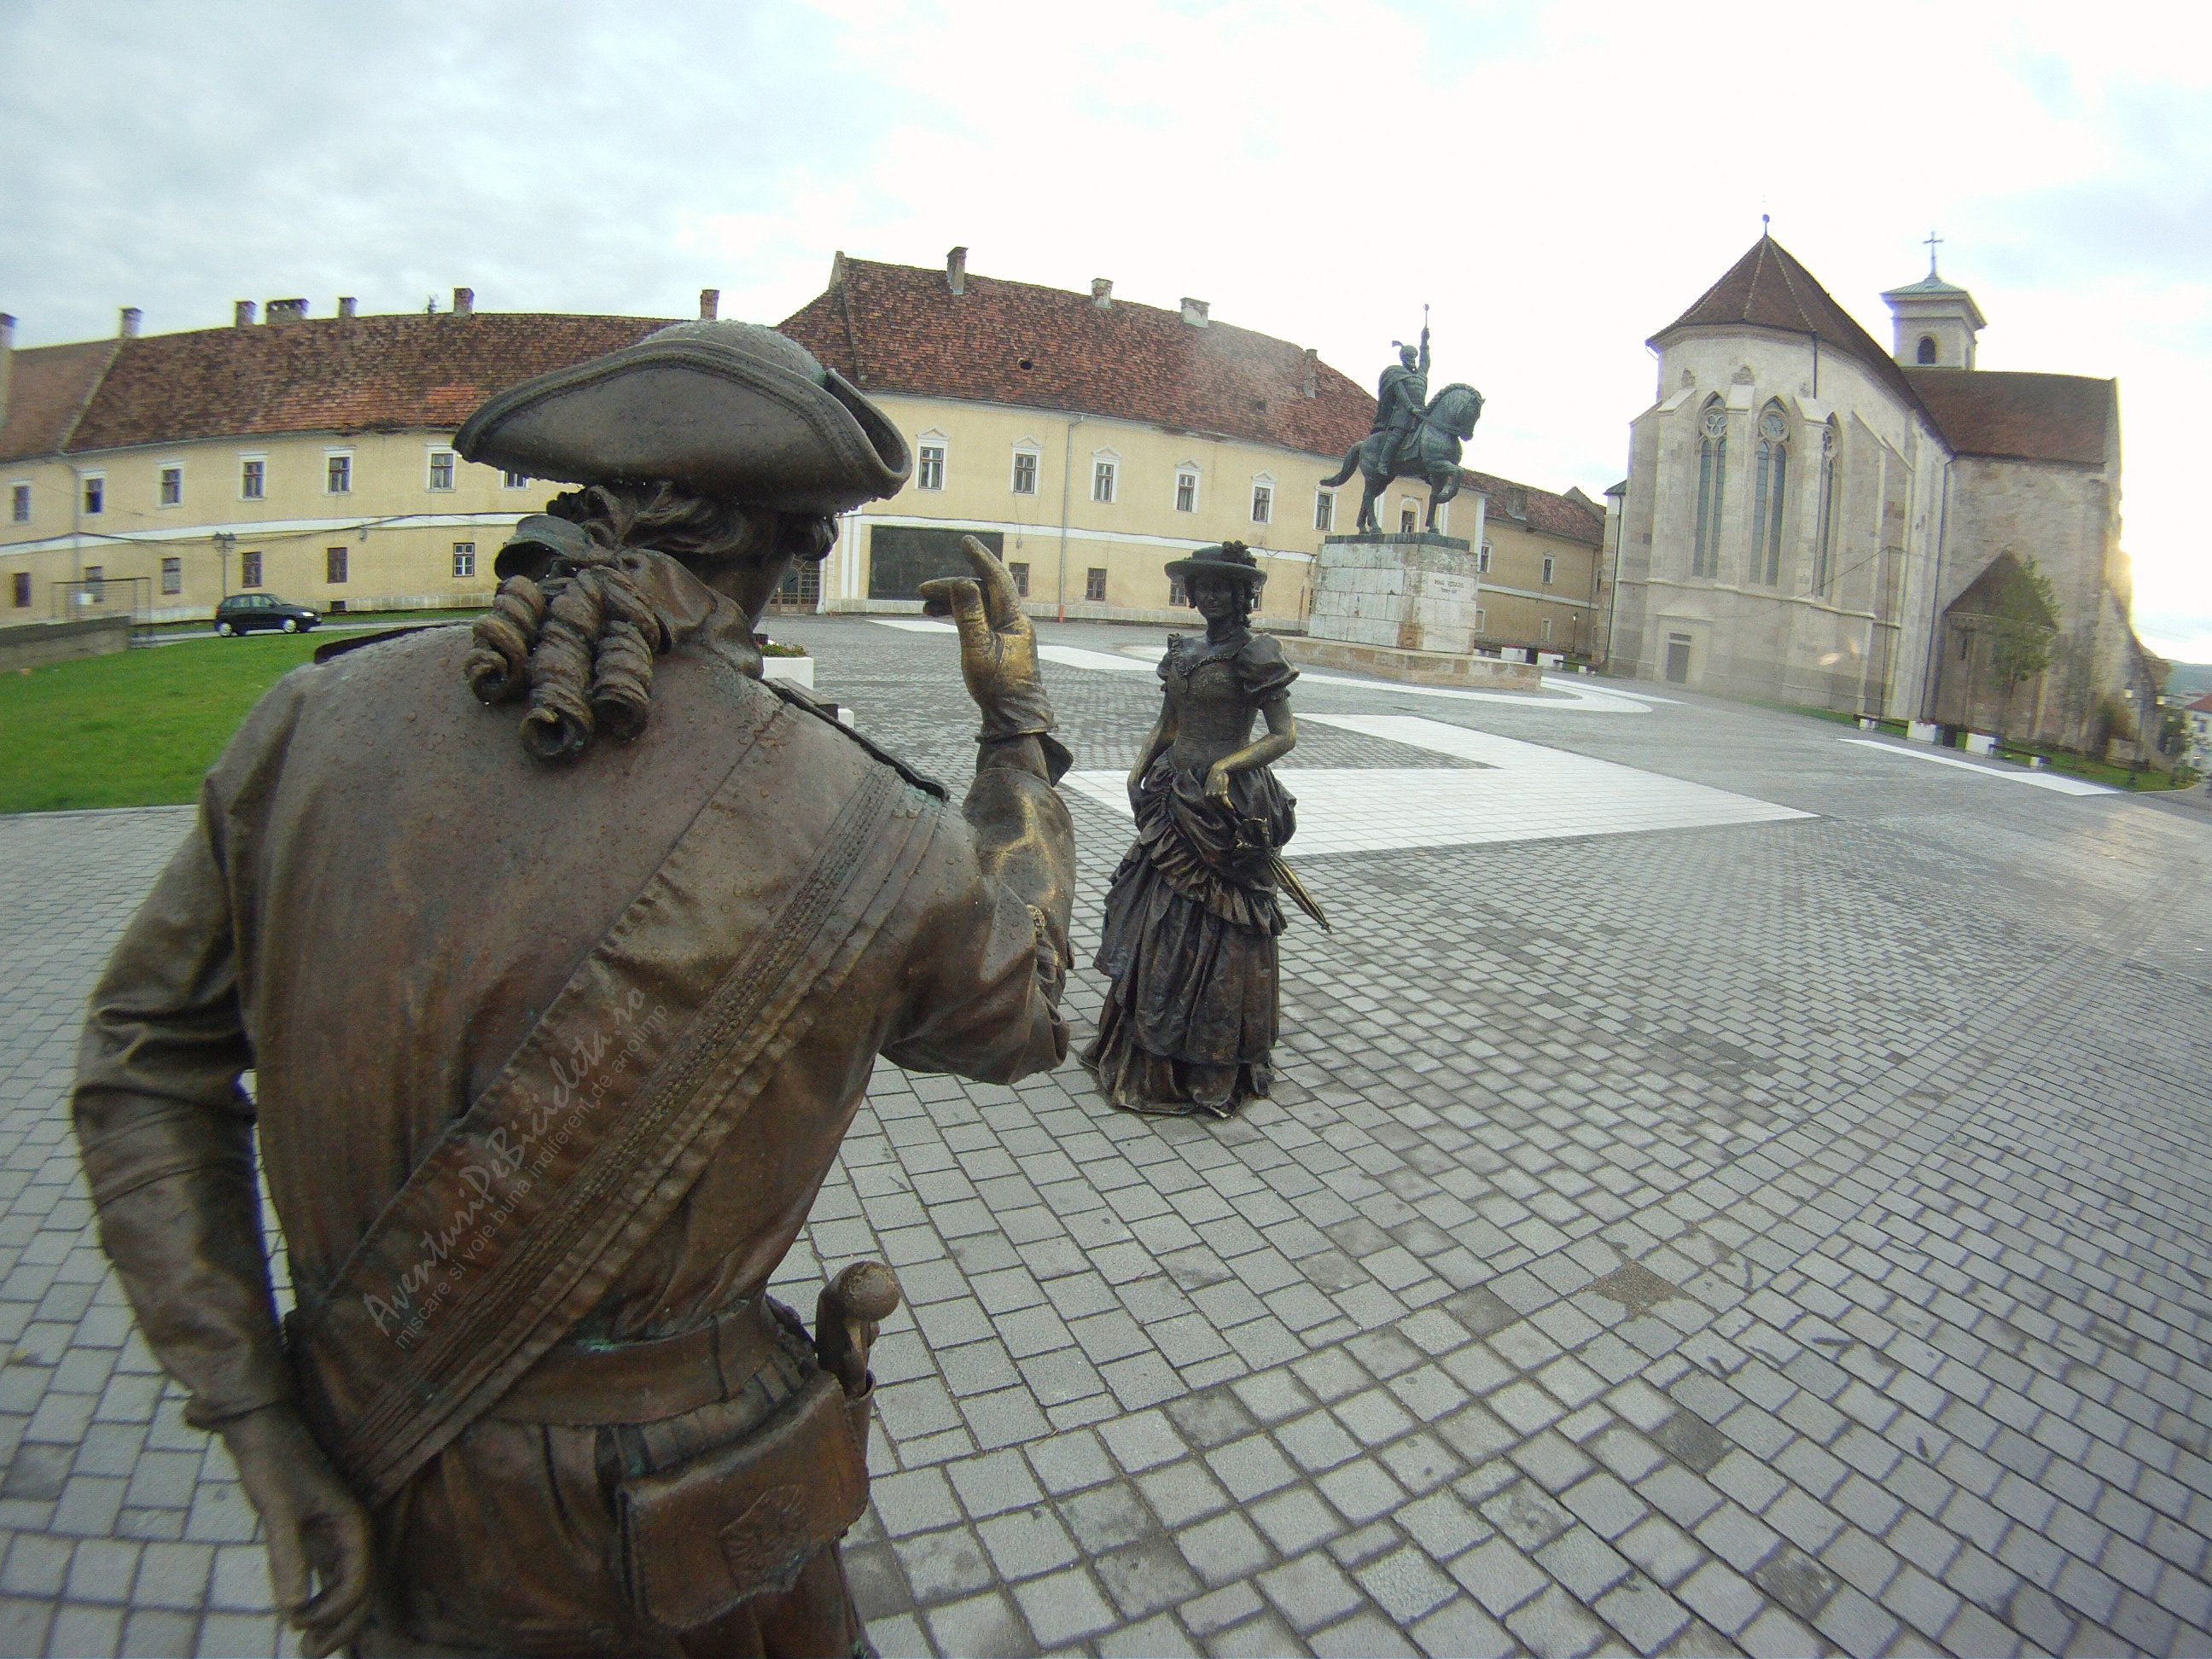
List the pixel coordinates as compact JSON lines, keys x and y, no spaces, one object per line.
{"x":537,"y":1197}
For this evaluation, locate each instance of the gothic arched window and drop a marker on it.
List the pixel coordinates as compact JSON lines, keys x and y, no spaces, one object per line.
{"x":1770,"y":478}
{"x":1712,"y":486}
{"x":1824,"y":533}
{"x":1927,"y":353}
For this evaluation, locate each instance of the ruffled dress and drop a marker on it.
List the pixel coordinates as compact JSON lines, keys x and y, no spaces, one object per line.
{"x":1192,"y":1013}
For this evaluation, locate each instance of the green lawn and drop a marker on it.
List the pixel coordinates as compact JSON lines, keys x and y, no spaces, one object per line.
{"x":136,"y":729}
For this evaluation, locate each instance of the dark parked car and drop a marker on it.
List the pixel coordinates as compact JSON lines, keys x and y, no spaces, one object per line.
{"x":242,"y":613}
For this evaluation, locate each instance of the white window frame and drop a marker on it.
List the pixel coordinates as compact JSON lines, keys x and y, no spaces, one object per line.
{"x":161,"y":471}
{"x":1479,"y":619}
{"x":259,"y":573}
{"x":430,"y":454}
{"x":19,"y":495}
{"x":1547,"y":626}
{"x":923,"y":443}
{"x":345,"y":455}
{"x":172,"y":564}
{"x":1409,"y":508}
{"x":1108,"y":462}
{"x":1483,"y":554}
{"x":1196,"y":476}
{"x":464,"y":550}
{"x":84,"y":483}
{"x":245,"y":461}
{"x":1263,"y":481}
{"x":1325,"y":507}
{"x":1036,"y":453}
{"x":513,"y":480}
{"x":1100,"y":572}
{"x":1551,"y":568}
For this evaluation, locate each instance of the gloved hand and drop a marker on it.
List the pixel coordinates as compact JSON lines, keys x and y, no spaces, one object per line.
{"x":998,"y":648}
{"x":316,"y":1525}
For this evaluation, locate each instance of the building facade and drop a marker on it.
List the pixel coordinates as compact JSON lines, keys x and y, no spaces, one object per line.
{"x":1088,"y":441}
{"x":1810,"y":519}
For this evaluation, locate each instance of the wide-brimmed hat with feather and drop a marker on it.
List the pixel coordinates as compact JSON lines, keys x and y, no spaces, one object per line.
{"x":1233,"y":560}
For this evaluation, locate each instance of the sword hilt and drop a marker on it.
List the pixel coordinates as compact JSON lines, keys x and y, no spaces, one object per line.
{"x":850,"y":1310}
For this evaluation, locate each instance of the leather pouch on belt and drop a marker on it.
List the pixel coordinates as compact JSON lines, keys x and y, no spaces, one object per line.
{"x":741,"y":1520}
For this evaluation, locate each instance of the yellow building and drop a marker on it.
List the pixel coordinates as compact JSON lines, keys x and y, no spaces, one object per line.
{"x":309,"y":458}
{"x":1087,"y":439}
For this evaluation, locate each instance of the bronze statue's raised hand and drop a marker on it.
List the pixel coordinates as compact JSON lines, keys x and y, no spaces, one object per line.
{"x":998,"y":648}
{"x":319,"y":1533}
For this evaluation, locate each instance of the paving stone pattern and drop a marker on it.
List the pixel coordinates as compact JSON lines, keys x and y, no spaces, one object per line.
{"x":1782,"y":1238}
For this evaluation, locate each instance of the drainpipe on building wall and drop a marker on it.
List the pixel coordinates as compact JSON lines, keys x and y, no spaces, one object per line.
{"x":1067,"y":497}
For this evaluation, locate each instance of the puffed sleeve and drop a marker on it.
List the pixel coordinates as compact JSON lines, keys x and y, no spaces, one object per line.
{"x":1261,"y":670}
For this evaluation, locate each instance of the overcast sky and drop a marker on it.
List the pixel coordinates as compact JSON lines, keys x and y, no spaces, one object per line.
{"x":1556,"y":184}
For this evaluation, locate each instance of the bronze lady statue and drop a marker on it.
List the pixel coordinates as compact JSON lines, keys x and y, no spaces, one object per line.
{"x":1192,"y":916}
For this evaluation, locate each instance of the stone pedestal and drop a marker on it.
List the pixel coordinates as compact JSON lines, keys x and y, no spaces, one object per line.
{"x":1416,"y":591}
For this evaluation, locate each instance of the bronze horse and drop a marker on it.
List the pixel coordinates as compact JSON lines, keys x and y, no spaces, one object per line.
{"x":1431,"y":453}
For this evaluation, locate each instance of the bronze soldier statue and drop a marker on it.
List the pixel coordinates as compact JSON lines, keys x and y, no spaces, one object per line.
{"x":1401,"y":396}
{"x":555,"y":1032}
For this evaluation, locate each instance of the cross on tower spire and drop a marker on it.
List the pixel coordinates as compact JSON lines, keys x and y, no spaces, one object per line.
{"x":1933,"y":238}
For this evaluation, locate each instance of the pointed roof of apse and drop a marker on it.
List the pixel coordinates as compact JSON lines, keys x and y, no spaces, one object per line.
{"x":1769,"y":288}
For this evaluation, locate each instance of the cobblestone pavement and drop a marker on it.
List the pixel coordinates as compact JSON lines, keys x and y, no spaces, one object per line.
{"x":1779,"y":1237}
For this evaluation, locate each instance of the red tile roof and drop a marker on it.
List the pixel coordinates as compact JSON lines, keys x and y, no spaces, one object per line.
{"x":1769,"y":288}
{"x":1541,"y":510}
{"x":2069,"y":418}
{"x":337,"y":375}
{"x":48,"y":386}
{"x":900,"y":329}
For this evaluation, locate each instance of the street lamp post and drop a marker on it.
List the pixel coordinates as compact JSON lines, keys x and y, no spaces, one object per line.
{"x":224,"y":542}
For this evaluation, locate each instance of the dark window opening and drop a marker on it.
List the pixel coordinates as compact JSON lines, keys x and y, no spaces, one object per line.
{"x":901,"y":557}
{"x":1928,"y":348}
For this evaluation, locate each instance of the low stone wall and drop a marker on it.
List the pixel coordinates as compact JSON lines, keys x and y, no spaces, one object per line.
{"x":1413,"y":667}
{"x":1416,"y":591}
{"x":36,"y":644}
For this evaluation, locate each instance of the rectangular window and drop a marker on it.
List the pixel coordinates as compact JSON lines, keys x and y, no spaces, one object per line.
{"x":1025,"y":472}
{"x":1094,"y":585}
{"x":930,"y":475}
{"x":252,"y":480}
{"x":1102,"y":480}
{"x":95,"y":495}
{"x":173,"y":486}
{"x":1325,"y":509}
{"x":22,"y":590}
{"x":1177,"y":593}
{"x":1186,"y":492}
{"x":1547,"y":626}
{"x":441,"y":469}
{"x":19,"y":500}
{"x":249,"y":570}
{"x":514,"y":481}
{"x":464,"y":560}
{"x":337,"y":475}
{"x":1550,"y":564}
{"x":96,"y":578}
{"x":1263,"y":503}
{"x":334,"y":565}
{"x":1409,"y":519}
{"x":172,"y":575}
{"x":1020,"y":573}
{"x":1478,"y":619}
{"x":1482,"y":560}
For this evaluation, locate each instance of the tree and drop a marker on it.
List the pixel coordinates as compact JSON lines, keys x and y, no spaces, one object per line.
{"x":2022,"y":625}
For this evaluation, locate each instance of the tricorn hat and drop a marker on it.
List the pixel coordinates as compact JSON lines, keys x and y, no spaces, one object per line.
{"x":728,"y":410}
{"x":1231,"y":559}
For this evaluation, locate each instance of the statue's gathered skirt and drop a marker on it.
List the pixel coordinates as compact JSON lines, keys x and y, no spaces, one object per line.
{"x":1193,"y":1010}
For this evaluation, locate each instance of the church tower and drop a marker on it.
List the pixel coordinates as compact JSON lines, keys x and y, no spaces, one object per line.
{"x":1934,"y":322}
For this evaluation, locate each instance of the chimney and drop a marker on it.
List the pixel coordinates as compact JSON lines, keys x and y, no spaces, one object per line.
{"x":7,"y":361}
{"x":1193,"y":311}
{"x":837,"y":270}
{"x":465,"y":301}
{"x":241,"y":313}
{"x":349,"y":308}
{"x":1102,"y":292}
{"x":956,"y":269}
{"x":286,"y":311}
{"x":710,"y":304}
{"x":131,"y":317}
{"x":1309,"y":387}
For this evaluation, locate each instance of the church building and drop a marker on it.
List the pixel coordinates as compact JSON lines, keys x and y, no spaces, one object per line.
{"x":1809,"y":518}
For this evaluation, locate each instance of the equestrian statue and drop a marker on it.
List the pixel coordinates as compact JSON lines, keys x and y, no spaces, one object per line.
{"x":1414,"y":435}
